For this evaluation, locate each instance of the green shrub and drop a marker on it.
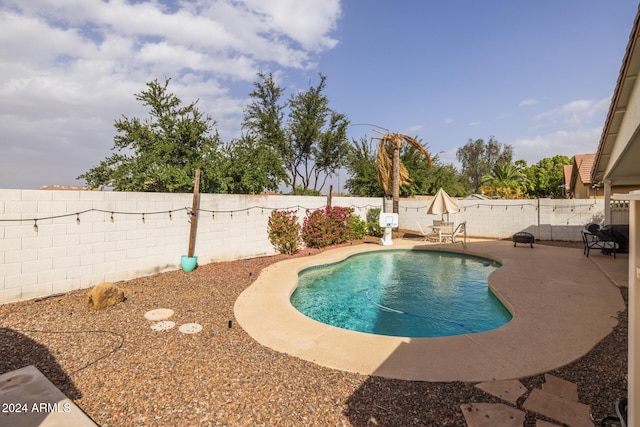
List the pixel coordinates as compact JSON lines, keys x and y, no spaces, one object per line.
{"x":284,"y":231}
{"x":357,"y":228}
{"x":300,"y":191}
{"x":373,"y":223}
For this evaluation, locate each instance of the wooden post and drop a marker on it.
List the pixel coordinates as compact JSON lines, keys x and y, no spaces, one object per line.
{"x":194,"y":214}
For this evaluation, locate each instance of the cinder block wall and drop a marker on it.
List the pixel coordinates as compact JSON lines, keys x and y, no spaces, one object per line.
{"x":76,"y":244}
{"x":547,"y":219}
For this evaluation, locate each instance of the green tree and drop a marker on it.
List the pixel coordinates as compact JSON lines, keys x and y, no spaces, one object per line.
{"x":309,"y":142}
{"x":361,"y":168}
{"x":420,"y":170}
{"x":547,"y":176}
{"x":249,"y":166}
{"x":162,"y":152}
{"x":363,"y":179}
{"x":266,"y":133}
{"x":428,"y":178}
{"x":478,"y":158}
{"x":318,"y":138}
{"x":505,"y":180}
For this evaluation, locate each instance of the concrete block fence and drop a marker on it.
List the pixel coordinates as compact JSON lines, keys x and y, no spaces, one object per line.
{"x":57,"y":241}
{"x":547,"y":219}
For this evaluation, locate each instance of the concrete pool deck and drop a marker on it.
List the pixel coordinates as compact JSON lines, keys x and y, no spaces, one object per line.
{"x":562,"y":302}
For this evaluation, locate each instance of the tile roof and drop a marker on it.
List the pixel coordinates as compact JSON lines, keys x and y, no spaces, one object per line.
{"x":584,"y":163}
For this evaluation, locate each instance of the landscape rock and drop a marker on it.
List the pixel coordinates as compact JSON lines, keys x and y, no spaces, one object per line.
{"x":105,"y":295}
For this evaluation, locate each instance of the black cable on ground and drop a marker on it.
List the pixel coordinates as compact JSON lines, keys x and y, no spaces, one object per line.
{"x":118,"y":347}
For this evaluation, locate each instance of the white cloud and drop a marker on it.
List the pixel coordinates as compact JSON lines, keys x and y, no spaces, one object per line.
{"x":305,"y":22}
{"x":575,"y":113}
{"x":527,"y":102}
{"x":70,"y":67}
{"x":412,"y":130}
{"x":561,"y":142}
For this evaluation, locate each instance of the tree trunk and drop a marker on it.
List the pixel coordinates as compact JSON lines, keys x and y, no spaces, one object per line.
{"x":396,"y":180}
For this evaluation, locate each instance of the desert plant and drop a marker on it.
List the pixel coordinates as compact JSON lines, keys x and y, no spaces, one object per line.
{"x":284,"y":231}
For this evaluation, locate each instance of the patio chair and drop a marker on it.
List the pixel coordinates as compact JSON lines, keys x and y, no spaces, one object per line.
{"x":592,"y":238}
{"x":445,"y":231}
{"x":436,"y":227}
{"x":430,"y":234}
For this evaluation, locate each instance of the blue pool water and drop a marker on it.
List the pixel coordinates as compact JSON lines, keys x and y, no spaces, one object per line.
{"x":403,"y":293}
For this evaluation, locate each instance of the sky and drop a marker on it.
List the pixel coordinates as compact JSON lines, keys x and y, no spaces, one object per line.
{"x":536,"y":75}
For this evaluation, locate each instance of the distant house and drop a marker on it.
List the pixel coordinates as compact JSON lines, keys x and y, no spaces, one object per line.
{"x":580,"y":186}
{"x":578,"y":179}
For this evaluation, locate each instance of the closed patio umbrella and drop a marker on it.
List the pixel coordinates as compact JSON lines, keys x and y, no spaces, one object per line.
{"x":442,"y":204}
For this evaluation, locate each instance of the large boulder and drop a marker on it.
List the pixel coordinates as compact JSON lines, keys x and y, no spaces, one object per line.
{"x":105,"y":295}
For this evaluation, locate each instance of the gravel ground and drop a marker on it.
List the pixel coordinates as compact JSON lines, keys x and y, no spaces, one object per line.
{"x":122,"y":373}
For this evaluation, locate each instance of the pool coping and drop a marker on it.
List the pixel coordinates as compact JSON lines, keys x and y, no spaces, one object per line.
{"x":562,"y":306}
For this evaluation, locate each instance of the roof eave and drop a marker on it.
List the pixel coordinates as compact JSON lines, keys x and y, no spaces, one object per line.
{"x":618,"y":106}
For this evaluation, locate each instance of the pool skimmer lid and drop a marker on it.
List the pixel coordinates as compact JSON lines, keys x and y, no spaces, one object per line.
{"x":163,"y":325}
{"x":190,"y":328}
{"x":159,"y":314}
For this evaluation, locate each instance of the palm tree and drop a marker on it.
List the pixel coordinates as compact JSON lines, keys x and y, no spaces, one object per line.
{"x":505,"y":176}
{"x":390,"y":169}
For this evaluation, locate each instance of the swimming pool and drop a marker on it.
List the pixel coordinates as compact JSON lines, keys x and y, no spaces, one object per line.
{"x":405,"y":293}
{"x":562,"y":307}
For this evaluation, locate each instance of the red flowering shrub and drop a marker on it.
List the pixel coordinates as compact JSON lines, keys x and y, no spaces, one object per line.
{"x":327,"y":226}
{"x":284,"y":231}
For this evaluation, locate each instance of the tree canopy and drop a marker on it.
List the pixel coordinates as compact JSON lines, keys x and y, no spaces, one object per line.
{"x":505,"y":180}
{"x":426,"y":178}
{"x":318,"y":138}
{"x":266,"y":139}
{"x":547,"y":176}
{"x":361,"y":166}
{"x":310,"y":141}
{"x":162,"y":151}
{"x":300,"y":142}
{"x":251,"y":166}
{"x":478,"y":158}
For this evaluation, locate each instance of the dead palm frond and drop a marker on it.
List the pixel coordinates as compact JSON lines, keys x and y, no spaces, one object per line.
{"x":389,"y":145}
